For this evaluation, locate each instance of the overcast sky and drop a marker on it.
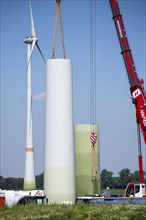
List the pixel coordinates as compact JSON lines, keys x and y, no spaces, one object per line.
{"x":115,"y":112}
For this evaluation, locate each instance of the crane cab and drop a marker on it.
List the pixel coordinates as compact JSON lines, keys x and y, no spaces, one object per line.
{"x":135,"y":190}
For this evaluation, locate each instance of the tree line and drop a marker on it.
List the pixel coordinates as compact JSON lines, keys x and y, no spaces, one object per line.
{"x":107,"y":179}
{"x":121,"y":181}
{"x":11,"y":183}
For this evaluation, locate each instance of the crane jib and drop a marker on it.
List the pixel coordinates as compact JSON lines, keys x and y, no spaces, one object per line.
{"x":136,"y":84}
{"x":126,"y":51}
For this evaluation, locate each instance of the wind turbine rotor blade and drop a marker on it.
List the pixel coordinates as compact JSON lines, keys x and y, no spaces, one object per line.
{"x":33,"y":34}
{"x":40,"y":51}
{"x":29,"y":58}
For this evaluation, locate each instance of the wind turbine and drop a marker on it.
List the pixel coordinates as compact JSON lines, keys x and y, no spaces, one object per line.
{"x":29,"y":179}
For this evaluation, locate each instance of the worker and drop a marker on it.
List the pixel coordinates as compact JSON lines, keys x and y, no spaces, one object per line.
{"x":38,"y":193}
{"x":107,"y":193}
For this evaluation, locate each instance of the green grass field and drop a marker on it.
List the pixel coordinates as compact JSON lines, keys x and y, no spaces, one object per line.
{"x":74,"y":212}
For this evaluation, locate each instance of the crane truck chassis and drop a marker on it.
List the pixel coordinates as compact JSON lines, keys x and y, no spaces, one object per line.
{"x":134,"y":194}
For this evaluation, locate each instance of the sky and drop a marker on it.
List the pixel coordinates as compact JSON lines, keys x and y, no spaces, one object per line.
{"x":115,"y":113}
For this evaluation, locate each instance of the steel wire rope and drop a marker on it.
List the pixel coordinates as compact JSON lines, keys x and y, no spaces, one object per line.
{"x":93,"y":131}
{"x":91,"y":60}
{"x":93,"y":63}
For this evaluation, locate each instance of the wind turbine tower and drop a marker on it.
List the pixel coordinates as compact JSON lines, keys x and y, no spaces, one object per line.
{"x":29,"y":179}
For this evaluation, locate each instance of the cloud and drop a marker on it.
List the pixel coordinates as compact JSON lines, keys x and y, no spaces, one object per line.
{"x":39,"y":96}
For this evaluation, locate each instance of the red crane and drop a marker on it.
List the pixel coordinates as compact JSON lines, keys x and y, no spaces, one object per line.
{"x":136,"y":84}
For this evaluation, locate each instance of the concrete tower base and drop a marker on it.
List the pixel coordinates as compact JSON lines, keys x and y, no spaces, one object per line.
{"x":29,"y":179}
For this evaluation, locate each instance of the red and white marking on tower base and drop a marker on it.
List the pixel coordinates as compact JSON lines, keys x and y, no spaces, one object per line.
{"x":93,"y":138}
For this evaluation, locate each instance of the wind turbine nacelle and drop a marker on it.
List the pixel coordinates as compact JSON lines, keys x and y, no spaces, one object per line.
{"x":29,"y":40}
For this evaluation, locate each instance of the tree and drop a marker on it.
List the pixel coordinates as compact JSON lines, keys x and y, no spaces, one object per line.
{"x":40,"y":181}
{"x":135,"y":176}
{"x":11,"y":183}
{"x":116,"y":182}
{"x":125,"y":177}
{"x":106,"y":178}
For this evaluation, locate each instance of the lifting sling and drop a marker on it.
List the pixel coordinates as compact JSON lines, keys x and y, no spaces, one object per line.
{"x":58,"y":8}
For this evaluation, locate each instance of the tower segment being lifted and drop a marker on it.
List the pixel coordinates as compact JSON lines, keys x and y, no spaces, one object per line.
{"x":59,"y":175}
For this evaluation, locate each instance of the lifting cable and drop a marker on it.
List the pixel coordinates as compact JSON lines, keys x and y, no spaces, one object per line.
{"x":58,"y":8}
{"x":93,"y":135}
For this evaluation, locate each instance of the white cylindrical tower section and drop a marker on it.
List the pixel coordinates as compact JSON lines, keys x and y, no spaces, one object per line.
{"x":59,"y":176}
{"x":29,"y":178}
